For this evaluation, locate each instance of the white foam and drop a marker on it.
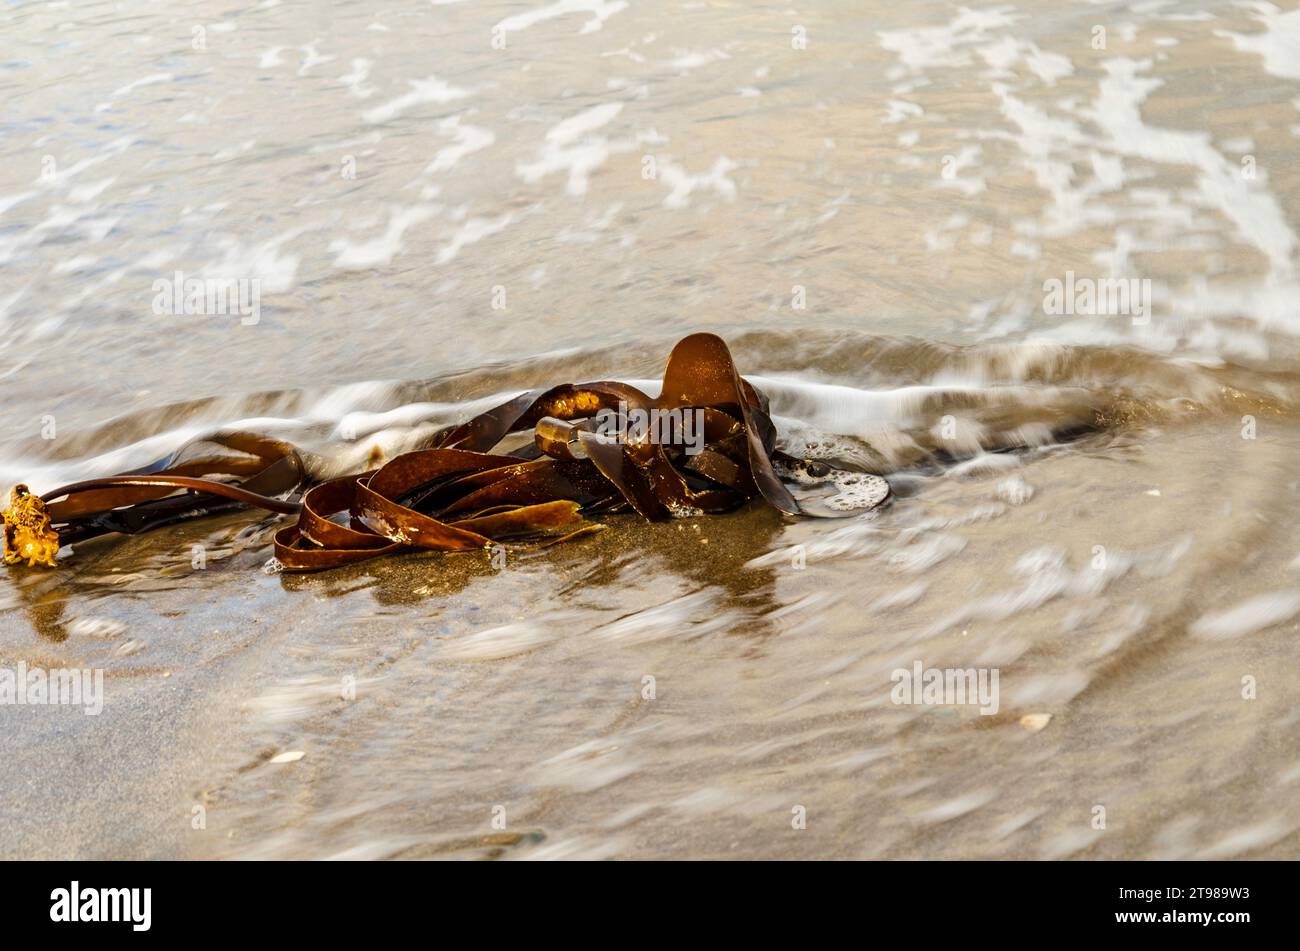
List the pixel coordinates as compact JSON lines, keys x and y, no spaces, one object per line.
{"x":467,"y":139}
{"x":471,"y":232}
{"x":9,"y":201}
{"x":1279,"y":44}
{"x":600,"y":10}
{"x":684,"y":184}
{"x":1251,"y":615}
{"x":901,"y":109}
{"x":1009,"y":51}
{"x":422,"y":91}
{"x":571,"y":146}
{"x":271,"y":58}
{"x":1259,"y":218}
{"x":312,"y":57}
{"x":264,"y":261}
{"x":925,"y":47}
{"x":150,"y":80}
{"x":355,"y":81}
{"x":687,"y":61}
{"x":379,"y":252}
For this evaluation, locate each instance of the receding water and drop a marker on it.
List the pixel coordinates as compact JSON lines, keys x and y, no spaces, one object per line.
{"x":436,"y":206}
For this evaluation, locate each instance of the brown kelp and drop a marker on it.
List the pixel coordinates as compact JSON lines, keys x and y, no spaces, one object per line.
{"x":592,"y":454}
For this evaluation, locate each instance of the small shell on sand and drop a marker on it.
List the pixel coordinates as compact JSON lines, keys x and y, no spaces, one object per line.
{"x":292,"y":756}
{"x":1033,"y":722}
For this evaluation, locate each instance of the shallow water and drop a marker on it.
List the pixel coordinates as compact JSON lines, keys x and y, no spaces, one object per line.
{"x":1101,"y":508}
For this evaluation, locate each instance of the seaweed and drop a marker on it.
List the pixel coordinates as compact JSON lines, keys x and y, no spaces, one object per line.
{"x":592,"y":454}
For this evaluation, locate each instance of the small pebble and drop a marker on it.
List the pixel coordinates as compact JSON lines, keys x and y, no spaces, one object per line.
{"x":1033,"y":722}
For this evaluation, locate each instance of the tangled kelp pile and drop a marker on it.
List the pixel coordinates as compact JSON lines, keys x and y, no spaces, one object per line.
{"x":591,"y":454}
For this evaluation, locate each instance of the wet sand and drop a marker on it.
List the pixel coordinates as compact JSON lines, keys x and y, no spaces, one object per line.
{"x":523,"y":688}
